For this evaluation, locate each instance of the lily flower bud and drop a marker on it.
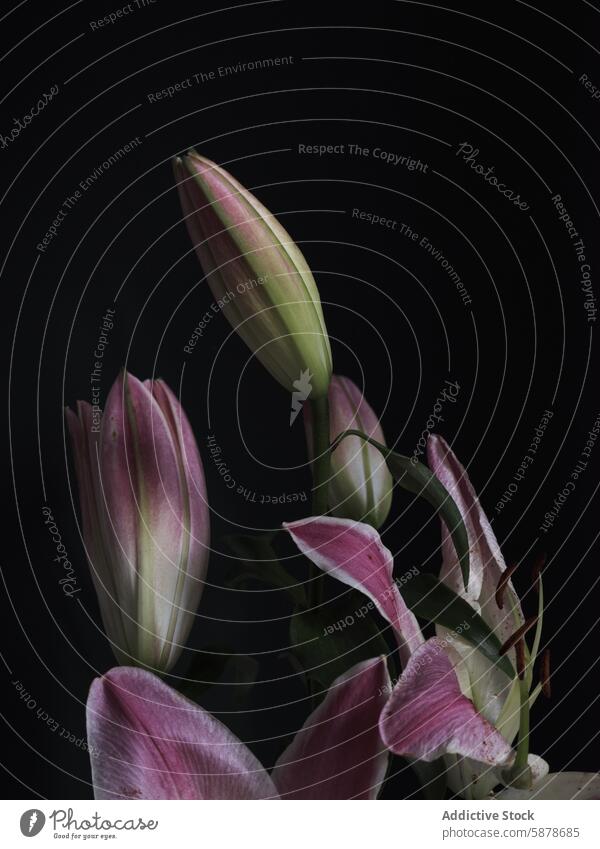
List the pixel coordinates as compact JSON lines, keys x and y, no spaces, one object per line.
{"x":361,"y":484}
{"x":257,"y":274}
{"x":145,"y":518}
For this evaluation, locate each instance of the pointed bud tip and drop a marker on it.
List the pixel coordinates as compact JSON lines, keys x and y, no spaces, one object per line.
{"x":538,"y":566}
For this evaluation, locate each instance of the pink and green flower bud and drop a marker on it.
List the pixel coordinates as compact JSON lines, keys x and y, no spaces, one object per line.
{"x":145,"y":518}
{"x":361,"y":485}
{"x":257,"y":274}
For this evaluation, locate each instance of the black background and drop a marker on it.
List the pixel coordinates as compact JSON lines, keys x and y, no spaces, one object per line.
{"x":405,"y":77}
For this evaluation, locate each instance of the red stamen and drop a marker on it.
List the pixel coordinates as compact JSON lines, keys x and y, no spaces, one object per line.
{"x":519,"y":633}
{"x":545,"y":674}
{"x":501,"y":587}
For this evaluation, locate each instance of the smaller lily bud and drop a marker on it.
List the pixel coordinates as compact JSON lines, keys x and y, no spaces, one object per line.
{"x":361,"y":483}
{"x":257,"y":274}
{"x":145,"y":518}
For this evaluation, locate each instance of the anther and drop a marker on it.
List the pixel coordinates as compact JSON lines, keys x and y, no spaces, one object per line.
{"x":519,"y":633}
{"x":501,"y":587}
{"x":545,"y":674}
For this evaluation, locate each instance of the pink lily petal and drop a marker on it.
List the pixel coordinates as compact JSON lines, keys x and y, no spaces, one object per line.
{"x":149,"y":742}
{"x":427,"y":715}
{"x":559,"y":785}
{"x":487,"y":562}
{"x":489,"y":685}
{"x":338,"y":753}
{"x":353,"y":553}
{"x":83,"y":428}
{"x":195,"y":520}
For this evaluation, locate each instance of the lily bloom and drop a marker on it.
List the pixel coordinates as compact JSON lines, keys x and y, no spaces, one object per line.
{"x":450,"y":701}
{"x":257,"y":275}
{"x":150,"y":742}
{"x":494,"y":696}
{"x":145,"y":518}
{"x":361,"y":483}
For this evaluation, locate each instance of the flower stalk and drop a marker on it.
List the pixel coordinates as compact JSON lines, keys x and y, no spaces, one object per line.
{"x":321,"y":469}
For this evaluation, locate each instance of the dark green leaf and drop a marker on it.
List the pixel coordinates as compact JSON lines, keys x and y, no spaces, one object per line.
{"x":433,"y":601}
{"x":328,"y":640}
{"x":257,"y":561}
{"x":215,"y":666}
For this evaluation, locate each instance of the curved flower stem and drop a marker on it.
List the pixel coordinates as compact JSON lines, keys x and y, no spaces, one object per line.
{"x":321,"y":471}
{"x":322,"y":461}
{"x":353,"y":432}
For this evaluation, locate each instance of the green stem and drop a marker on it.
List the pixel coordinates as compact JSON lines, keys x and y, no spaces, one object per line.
{"x":322,"y":457}
{"x":521,"y":775}
{"x":321,"y":470}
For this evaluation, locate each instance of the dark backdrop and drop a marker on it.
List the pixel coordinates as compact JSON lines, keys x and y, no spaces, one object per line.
{"x":405,"y":78}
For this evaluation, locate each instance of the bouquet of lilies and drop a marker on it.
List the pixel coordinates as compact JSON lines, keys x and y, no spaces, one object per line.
{"x":458,"y":707}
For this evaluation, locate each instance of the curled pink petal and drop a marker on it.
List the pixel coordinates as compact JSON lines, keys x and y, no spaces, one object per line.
{"x":487,"y":562}
{"x":338,"y":753}
{"x":353,"y":553}
{"x":489,"y":686}
{"x":146,"y":741}
{"x":427,"y":715}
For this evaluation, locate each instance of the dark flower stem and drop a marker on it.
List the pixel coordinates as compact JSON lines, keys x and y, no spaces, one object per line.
{"x":322,"y":461}
{"x":321,"y":470}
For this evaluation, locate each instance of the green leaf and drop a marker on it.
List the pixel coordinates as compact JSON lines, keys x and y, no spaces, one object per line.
{"x":508,"y":719}
{"x":418,"y":479}
{"x":433,"y":601}
{"x":218,"y":666}
{"x":330,"y":639}
{"x":538,"y":634}
{"x":257,"y":561}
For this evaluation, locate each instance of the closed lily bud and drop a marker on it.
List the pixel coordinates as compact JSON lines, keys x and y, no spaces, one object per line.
{"x":257,"y":274}
{"x":145,"y":518}
{"x":361,"y":484}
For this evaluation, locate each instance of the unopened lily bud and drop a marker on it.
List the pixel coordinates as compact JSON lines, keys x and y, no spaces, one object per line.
{"x":145,"y":518}
{"x":257,"y":274}
{"x":361,"y":484}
